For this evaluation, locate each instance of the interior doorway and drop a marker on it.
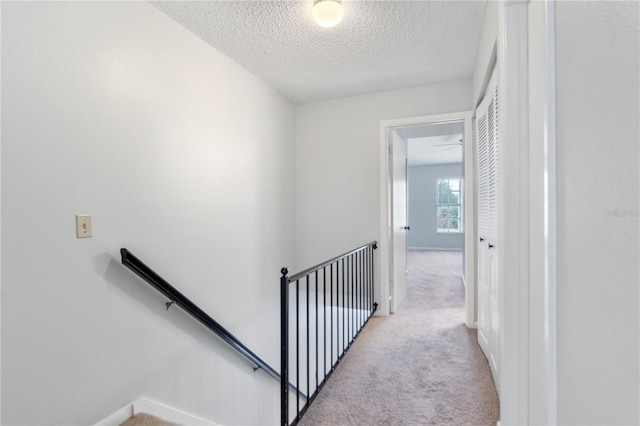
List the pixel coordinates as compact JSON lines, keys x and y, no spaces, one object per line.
{"x":435,"y":186}
{"x":440,"y":147}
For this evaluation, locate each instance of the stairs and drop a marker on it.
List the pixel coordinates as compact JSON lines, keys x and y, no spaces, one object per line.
{"x":144,"y":419}
{"x":146,"y":412}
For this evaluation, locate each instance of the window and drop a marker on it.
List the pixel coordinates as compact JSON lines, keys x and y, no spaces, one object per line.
{"x":449,"y":205}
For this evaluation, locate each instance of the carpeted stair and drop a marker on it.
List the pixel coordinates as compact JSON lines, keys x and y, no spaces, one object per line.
{"x":143,"y":419}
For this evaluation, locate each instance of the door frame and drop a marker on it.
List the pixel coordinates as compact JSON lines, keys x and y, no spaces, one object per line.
{"x":528,"y":281}
{"x":469,"y":267}
{"x":397,"y":275}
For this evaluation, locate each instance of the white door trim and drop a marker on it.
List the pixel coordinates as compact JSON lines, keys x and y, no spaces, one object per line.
{"x":469,"y":199}
{"x":542,"y":215}
{"x":512,"y":66}
{"x":398,"y":223}
{"x":526,"y":65}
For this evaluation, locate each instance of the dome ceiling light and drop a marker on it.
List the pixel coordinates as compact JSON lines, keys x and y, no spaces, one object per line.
{"x":327,"y":13}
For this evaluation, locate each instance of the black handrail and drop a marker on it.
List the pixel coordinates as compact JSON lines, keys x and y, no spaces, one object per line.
{"x":176,"y":297}
{"x":292,"y":278}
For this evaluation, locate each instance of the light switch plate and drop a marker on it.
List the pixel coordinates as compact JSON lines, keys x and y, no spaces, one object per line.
{"x":83,"y":226}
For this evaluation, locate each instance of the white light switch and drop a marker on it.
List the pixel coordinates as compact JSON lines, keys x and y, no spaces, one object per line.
{"x":83,"y":226}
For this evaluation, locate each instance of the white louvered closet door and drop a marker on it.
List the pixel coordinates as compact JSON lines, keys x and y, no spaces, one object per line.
{"x":488,"y":226}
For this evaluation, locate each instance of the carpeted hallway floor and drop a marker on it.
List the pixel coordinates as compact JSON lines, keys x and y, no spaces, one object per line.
{"x":420,"y":366}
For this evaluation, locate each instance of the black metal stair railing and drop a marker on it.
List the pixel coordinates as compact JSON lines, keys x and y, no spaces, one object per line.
{"x":338,"y":301}
{"x":325,"y":326}
{"x":177,"y":298}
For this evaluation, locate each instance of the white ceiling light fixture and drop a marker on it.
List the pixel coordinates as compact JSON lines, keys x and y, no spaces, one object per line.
{"x":327,"y":13}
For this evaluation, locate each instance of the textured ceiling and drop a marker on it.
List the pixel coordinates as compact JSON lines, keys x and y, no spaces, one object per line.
{"x":434,"y":143}
{"x":435,"y":150}
{"x":379,"y":45}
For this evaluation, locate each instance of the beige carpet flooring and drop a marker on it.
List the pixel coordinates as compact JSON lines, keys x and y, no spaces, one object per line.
{"x":420,"y":366}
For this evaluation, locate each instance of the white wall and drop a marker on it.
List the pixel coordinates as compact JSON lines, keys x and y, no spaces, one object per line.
{"x":422,"y":181}
{"x":181,"y":156}
{"x":598,"y":200}
{"x":338,"y":172}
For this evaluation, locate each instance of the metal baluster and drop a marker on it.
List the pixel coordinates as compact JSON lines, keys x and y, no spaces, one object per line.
{"x":297,"y":348}
{"x":284,"y":348}
{"x":344,"y":325}
{"x":371,"y":282}
{"x":358,"y":294}
{"x":324,"y":313}
{"x":357,"y":291}
{"x":369,"y":289}
{"x":366,"y":280}
{"x":363,"y":290}
{"x":317,"y":348}
{"x":331,"y":311}
{"x":351,"y":300}
{"x":363,"y":271}
{"x":353,"y":297}
{"x":308,"y":378}
{"x":338,"y":312}
{"x":356,"y":312}
{"x":348,"y":283}
{"x":369,"y":292}
{"x":362,"y":280}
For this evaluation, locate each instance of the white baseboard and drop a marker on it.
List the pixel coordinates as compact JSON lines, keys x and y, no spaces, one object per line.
{"x":118,"y":417}
{"x":148,"y":406}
